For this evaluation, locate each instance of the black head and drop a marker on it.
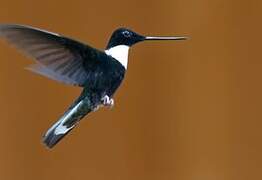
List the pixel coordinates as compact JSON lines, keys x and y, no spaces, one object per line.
{"x":123,"y":36}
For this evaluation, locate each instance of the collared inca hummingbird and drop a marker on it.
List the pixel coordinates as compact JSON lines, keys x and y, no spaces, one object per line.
{"x":98,"y":72}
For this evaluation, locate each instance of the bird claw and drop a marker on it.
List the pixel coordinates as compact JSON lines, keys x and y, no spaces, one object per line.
{"x":107,"y":101}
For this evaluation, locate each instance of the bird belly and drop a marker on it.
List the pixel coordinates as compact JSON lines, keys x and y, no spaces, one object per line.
{"x":105,"y":84}
{"x":109,"y":85}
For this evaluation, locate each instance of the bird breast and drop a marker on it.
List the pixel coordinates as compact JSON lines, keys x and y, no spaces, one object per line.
{"x":120,"y":53}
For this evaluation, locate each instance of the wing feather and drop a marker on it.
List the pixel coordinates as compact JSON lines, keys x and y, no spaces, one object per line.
{"x":57,"y":57}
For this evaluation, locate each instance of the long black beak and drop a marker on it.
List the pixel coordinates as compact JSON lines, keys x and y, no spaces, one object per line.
{"x":166,"y":38}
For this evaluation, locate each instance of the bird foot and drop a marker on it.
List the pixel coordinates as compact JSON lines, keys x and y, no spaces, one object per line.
{"x":107,"y":101}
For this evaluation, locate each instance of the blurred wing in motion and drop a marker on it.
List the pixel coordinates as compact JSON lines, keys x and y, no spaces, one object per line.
{"x":58,"y":57}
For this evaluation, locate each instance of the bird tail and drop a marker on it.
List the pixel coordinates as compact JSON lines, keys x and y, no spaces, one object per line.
{"x":67,"y":122}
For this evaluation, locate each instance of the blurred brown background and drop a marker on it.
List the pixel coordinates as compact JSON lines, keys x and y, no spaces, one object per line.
{"x":187,"y":110}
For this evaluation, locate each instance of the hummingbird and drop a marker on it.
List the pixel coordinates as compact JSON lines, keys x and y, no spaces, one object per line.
{"x":98,"y":72}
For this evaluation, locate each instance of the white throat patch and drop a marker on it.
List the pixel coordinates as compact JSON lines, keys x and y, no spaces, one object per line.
{"x":120,"y":53}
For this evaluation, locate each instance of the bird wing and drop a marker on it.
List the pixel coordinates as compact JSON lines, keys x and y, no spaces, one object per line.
{"x":59,"y":58}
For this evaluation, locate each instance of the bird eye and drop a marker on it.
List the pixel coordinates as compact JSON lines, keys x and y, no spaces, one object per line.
{"x":126,"y":34}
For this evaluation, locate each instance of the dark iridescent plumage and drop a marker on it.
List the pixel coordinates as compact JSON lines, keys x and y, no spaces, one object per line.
{"x":71,"y":62}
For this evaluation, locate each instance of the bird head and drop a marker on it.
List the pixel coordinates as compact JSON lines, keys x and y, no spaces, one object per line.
{"x":127,"y":37}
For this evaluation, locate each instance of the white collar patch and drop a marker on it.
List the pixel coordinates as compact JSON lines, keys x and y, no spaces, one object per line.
{"x":120,"y":53}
